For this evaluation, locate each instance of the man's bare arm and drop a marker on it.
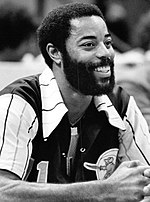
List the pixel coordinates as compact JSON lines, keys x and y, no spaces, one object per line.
{"x":125,"y":184}
{"x":13,"y":189}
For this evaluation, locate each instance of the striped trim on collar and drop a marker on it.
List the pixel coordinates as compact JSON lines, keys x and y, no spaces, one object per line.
{"x":103,"y":103}
{"x":53,"y":107}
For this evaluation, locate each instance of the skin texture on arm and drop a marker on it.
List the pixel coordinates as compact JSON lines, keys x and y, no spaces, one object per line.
{"x":125,"y":184}
{"x":17,"y":190}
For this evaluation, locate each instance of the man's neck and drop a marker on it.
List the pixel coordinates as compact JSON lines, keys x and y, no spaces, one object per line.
{"x":76,"y":102}
{"x":76,"y":105}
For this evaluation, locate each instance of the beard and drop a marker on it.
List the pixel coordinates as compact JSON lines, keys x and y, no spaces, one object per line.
{"x":80,"y":76}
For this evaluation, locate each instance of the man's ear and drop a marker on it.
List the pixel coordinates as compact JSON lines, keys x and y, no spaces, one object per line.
{"x":54,"y":53}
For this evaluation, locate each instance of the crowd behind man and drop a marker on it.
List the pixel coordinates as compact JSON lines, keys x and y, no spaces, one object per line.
{"x":133,"y":67}
{"x":18,"y":43}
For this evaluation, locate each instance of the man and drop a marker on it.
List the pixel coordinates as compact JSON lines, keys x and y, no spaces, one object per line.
{"x":61,"y":128}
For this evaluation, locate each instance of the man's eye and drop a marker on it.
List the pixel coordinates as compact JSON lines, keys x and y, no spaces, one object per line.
{"x":108,"y":43}
{"x":88,"y":44}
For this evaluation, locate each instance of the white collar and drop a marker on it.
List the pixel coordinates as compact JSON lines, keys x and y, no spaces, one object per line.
{"x":53,"y":107}
{"x":103,"y":103}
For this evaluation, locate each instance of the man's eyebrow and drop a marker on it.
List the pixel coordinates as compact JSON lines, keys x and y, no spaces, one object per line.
{"x":92,"y":37}
{"x":88,"y":37}
{"x":108,"y":35}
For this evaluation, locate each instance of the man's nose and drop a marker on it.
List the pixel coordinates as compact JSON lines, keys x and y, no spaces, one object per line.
{"x":103,"y":51}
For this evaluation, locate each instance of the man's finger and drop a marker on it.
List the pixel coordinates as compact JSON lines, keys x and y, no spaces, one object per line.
{"x":146,"y":190}
{"x":135,"y":163}
{"x":147,"y":173}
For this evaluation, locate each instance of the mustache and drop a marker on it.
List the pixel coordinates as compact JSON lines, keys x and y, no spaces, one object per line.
{"x":104,"y":61}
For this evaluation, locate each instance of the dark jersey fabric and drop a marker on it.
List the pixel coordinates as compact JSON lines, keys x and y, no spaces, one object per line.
{"x":97,"y":135}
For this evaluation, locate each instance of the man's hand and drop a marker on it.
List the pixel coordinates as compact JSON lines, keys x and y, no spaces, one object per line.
{"x":146,"y":189}
{"x":130,"y":181}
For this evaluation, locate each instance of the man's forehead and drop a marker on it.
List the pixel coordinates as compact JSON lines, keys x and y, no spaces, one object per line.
{"x":77,"y":22}
{"x":88,"y":24}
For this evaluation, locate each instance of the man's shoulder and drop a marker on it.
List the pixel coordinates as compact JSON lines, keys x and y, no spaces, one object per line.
{"x":27,"y":87}
{"x":21,"y":83}
{"x":120,"y":99}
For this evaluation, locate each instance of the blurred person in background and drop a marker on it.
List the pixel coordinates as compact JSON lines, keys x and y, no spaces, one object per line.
{"x":18,"y":43}
{"x":116,"y":16}
{"x":141,"y":35}
{"x":133,"y":67}
{"x":17,"y":32}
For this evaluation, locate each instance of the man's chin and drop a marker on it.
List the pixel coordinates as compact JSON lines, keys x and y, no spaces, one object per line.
{"x":98,"y":90}
{"x":103,"y":88}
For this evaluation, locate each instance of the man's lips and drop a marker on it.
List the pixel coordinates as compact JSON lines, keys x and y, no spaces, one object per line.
{"x":103,"y":71}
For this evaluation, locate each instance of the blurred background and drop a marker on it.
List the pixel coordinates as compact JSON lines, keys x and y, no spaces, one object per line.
{"x":122,"y":15}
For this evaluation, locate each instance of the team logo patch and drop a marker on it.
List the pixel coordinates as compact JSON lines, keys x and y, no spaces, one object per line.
{"x":105,"y":164}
